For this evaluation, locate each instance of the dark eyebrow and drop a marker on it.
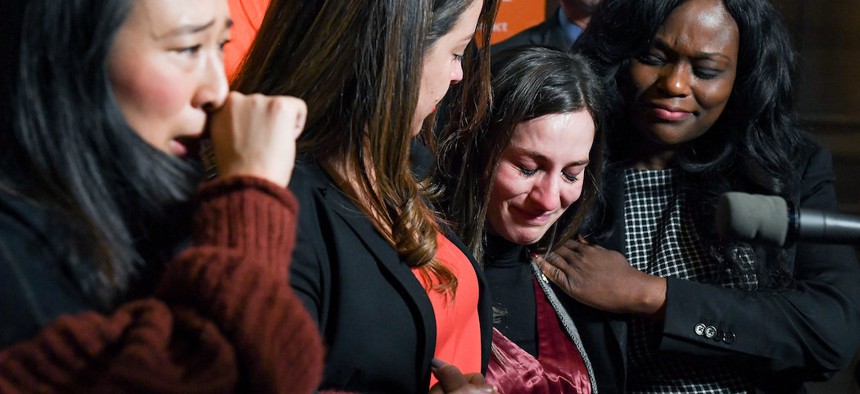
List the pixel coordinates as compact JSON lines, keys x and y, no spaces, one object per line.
{"x":663,"y":45}
{"x":190,"y":29}
{"x":544,"y":158}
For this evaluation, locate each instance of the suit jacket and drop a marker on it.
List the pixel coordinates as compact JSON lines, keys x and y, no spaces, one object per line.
{"x":548,"y":33}
{"x":786,"y":337}
{"x":376,"y":318}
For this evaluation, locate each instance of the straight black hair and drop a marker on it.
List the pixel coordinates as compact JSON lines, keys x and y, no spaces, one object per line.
{"x":68,"y":149}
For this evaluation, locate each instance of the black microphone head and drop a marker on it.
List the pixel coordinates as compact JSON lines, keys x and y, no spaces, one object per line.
{"x":753,"y":217}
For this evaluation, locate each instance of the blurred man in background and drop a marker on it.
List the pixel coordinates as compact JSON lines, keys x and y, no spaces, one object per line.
{"x":560,"y":30}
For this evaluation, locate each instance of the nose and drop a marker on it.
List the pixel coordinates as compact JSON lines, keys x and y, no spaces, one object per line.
{"x":213,"y":87}
{"x":457,"y":72}
{"x":674,"y":80}
{"x":545,"y":194}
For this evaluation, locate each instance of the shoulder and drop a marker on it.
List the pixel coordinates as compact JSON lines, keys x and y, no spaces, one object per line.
{"x":814,"y":166}
{"x":535,"y":35}
{"x":812,"y":162}
{"x":24,"y":220}
{"x":309,"y":180}
{"x":308,"y":173}
{"x":810,"y":153}
{"x":319,"y":199}
{"x":34,"y":288}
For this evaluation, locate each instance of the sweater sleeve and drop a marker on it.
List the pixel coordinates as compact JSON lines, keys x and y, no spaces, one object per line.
{"x":222,"y":319}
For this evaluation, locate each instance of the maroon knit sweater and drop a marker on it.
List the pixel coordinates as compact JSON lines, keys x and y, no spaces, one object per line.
{"x":223,"y":318}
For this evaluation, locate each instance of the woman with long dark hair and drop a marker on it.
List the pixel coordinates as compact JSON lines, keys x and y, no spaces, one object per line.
{"x":520,"y":185}
{"x":388,"y":283}
{"x":117,"y":272}
{"x":703,"y":105}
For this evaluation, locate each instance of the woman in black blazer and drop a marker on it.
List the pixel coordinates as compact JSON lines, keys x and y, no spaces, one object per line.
{"x":703,"y":106}
{"x":388,"y":283}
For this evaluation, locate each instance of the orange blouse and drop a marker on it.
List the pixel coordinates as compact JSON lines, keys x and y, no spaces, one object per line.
{"x":458,"y":327}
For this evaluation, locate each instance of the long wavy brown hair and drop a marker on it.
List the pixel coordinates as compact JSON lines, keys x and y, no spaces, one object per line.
{"x":358,"y":64}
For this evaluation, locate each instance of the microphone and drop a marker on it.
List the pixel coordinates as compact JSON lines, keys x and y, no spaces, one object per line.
{"x":773,"y":220}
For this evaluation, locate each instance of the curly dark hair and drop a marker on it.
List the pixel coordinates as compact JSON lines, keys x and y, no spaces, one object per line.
{"x":750,"y":147}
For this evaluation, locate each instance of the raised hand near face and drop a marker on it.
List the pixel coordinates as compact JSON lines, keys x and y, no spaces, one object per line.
{"x":256,"y":135}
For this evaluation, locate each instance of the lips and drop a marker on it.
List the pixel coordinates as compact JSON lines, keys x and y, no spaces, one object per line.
{"x":183,"y":146}
{"x":668,"y":113}
{"x":532,"y":219}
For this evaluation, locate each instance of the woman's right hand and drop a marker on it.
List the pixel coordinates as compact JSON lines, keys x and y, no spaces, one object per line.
{"x":604,"y":279}
{"x":256,"y":135}
{"x":452,"y":381}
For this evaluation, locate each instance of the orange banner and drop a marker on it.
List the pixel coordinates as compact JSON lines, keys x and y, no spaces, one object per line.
{"x":247,"y":16}
{"x":516,"y":16}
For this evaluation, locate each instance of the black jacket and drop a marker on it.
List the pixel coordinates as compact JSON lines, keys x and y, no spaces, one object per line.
{"x":36,"y":285}
{"x":376,"y":318}
{"x":786,"y":337}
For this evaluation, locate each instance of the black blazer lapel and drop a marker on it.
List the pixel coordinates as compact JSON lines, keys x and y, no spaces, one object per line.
{"x":391,"y":264}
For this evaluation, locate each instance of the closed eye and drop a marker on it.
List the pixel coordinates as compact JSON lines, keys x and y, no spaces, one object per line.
{"x":191,"y":50}
{"x":651,"y":59}
{"x":706,"y":73}
{"x":527,"y":171}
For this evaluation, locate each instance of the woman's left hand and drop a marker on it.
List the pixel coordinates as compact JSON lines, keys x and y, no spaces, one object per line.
{"x":604,"y":279}
{"x":452,"y":381}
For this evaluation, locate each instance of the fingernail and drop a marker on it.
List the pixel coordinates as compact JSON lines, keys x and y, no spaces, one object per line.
{"x":436,"y":363}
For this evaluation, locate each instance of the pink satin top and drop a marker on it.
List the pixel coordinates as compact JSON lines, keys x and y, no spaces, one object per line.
{"x":559,"y":367}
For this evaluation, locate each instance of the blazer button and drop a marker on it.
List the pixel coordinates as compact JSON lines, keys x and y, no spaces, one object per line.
{"x":700,"y":329}
{"x":710,"y":332}
{"x":728,"y":337}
